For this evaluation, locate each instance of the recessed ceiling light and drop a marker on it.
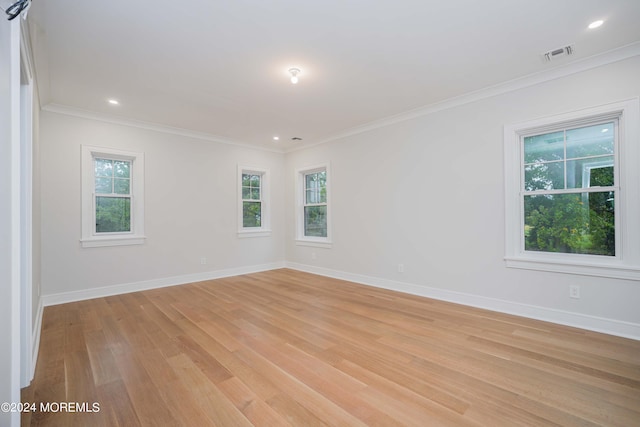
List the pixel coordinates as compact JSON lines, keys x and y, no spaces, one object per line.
{"x":276,"y":138}
{"x":113,"y":102}
{"x":596,"y":24}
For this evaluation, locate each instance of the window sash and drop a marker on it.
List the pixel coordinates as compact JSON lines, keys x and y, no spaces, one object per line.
{"x":251,"y":188}
{"x":248,"y":216}
{"x":565,"y":128}
{"x":130,"y":214}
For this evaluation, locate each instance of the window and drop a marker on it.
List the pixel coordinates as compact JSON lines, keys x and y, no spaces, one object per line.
{"x":569,"y":192}
{"x":112,"y":183}
{"x":253,"y":209}
{"x":313,"y":206}
{"x":112,"y":197}
{"x":569,"y":186}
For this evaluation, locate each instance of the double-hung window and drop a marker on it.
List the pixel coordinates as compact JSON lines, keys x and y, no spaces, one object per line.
{"x":112,"y":197}
{"x":571,"y":192}
{"x":253,"y":209}
{"x":313,"y":206}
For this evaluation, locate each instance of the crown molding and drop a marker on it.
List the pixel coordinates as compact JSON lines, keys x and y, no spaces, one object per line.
{"x":609,"y":57}
{"x":156,"y":127}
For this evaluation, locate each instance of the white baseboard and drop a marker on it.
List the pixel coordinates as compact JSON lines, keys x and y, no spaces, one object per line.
{"x":106,"y":291}
{"x":582,"y":321}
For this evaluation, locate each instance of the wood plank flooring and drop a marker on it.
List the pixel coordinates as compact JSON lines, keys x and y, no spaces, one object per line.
{"x":286,"y":348}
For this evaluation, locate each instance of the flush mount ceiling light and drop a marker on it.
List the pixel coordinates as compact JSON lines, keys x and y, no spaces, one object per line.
{"x":276,"y":138}
{"x":113,"y":102}
{"x":596,"y":24}
{"x":294,"y":75}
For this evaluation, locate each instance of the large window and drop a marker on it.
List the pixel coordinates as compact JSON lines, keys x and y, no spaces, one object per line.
{"x":569,"y":190}
{"x":313,"y":205}
{"x":253,"y":209}
{"x":570,"y":184}
{"x":112,"y":197}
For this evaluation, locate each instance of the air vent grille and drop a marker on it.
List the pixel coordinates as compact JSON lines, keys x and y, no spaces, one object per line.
{"x":559,"y":52}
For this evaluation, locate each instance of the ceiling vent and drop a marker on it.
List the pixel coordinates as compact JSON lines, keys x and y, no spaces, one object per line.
{"x":558,"y":53}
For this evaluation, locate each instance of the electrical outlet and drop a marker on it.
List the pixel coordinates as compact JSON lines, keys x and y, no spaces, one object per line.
{"x":203,"y":261}
{"x":574,"y":291}
{"x":400,"y":268}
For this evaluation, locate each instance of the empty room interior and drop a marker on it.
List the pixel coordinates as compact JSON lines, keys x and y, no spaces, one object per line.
{"x":320,"y":213}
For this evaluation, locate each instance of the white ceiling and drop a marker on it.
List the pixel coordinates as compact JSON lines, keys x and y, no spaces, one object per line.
{"x":219,"y":67}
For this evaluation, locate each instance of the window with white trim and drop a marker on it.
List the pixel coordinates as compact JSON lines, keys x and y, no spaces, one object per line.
{"x":313,"y":206}
{"x":571,"y":192}
{"x":112,"y":197}
{"x":253,"y":197}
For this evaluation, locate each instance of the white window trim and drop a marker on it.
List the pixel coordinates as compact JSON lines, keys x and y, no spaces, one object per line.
{"x":134,"y":237}
{"x":626,"y":263}
{"x":265,"y":187}
{"x":301,"y":239}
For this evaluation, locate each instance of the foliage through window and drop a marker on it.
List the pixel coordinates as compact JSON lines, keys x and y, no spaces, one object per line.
{"x":569,"y":190}
{"x":315,"y":204}
{"x":251,"y":200}
{"x":112,"y":195}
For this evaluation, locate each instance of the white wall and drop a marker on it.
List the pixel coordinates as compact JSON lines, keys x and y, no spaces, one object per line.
{"x":428,"y":193}
{"x":190,"y":209}
{"x":9,"y":217}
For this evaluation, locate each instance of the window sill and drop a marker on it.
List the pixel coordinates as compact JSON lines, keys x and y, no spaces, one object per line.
{"x":257,"y":233}
{"x":102,"y":241}
{"x":610,"y":270}
{"x":314,"y":243}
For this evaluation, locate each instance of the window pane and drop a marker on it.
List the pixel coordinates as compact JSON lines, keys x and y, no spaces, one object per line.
{"x":255,"y":181}
{"x":251,"y":214}
{"x":104,"y":167}
{"x":121,"y":186}
{"x":593,"y":172}
{"x":113,"y":214}
{"x":103,"y":185}
{"x":601,"y":177}
{"x":312,"y":197}
{"x":121,"y":169}
{"x":590,"y":141}
{"x":315,"y":221}
{"x":245,"y":180}
{"x":546,"y":147}
{"x":544,"y":176}
{"x":580,"y":223}
{"x":246,"y":193}
{"x":255,"y":194}
{"x":316,"y":187}
{"x":310,"y":180}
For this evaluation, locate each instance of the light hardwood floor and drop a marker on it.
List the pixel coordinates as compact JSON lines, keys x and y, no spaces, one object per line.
{"x":289,"y":348}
